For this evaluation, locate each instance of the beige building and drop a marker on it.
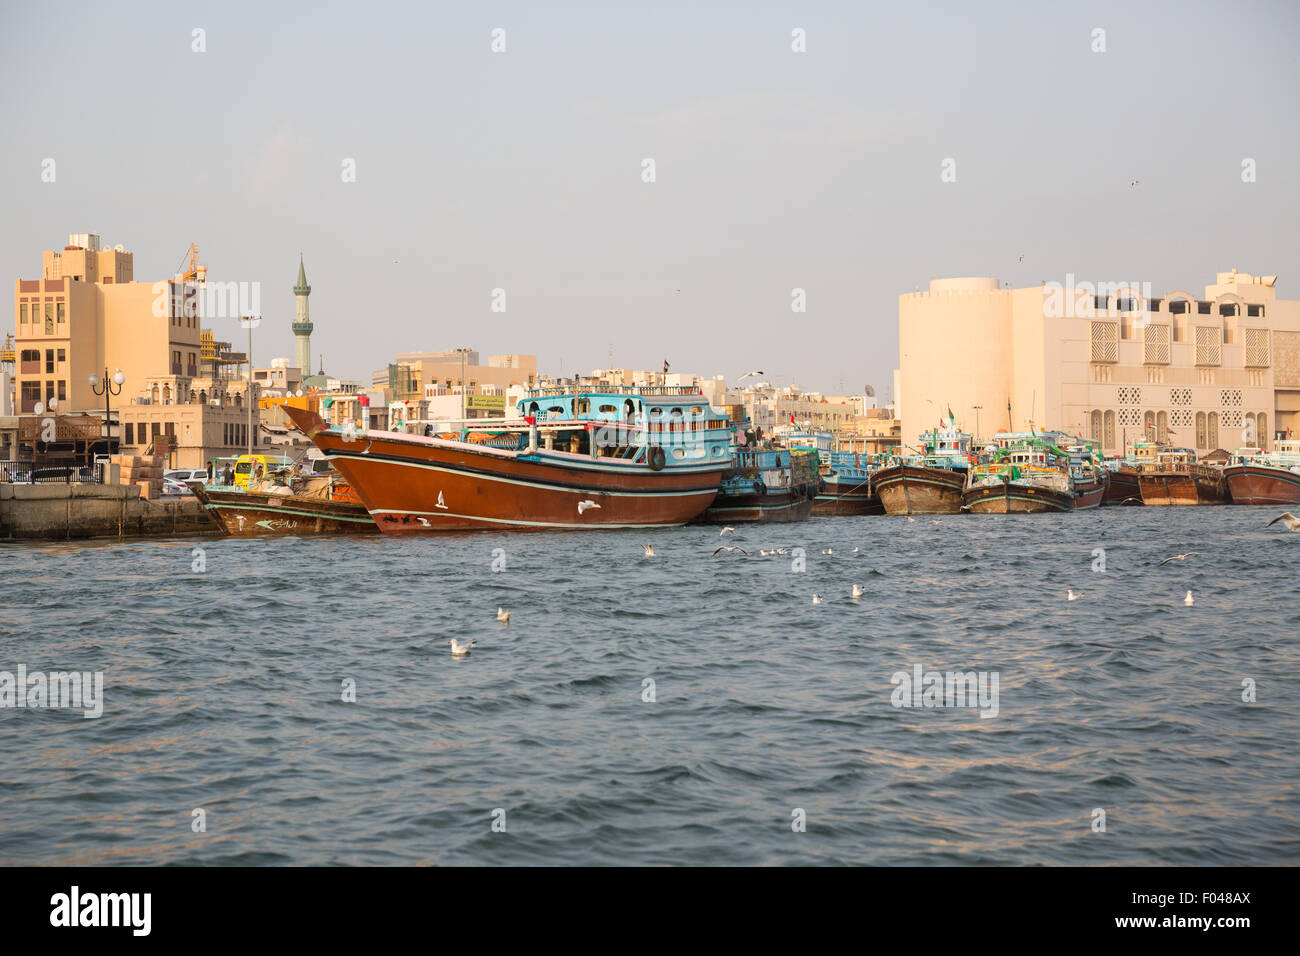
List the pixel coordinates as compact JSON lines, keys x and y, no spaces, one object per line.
{"x":1112,"y":361}
{"x":412,"y":373}
{"x":86,"y":313}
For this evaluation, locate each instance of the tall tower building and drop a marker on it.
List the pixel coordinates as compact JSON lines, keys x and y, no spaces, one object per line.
{"x":302,"y":325}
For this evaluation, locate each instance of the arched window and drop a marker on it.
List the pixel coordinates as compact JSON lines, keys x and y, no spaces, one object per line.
{"x":167,"y":393}
{"x":1250,"y":428}
{"x":1264,"y":436}
{"x":1162,"y":426}
{"x":1212,"y":431}
{"x":239,"y":400}
{"x":1109,"y":420}
{"x":1200,"y":431}
{"x":1095,"y":431}
{"x":1149,"y":427}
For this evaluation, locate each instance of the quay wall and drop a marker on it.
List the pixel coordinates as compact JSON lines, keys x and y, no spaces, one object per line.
{"x":56,"y":512}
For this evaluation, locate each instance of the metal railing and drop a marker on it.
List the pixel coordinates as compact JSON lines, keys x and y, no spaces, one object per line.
{"x":31,"y":472}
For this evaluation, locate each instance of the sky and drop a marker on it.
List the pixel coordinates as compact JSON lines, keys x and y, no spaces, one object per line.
{"x":774,"y":170}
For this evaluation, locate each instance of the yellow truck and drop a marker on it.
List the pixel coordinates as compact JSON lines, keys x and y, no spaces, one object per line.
{"x":252,"y":466}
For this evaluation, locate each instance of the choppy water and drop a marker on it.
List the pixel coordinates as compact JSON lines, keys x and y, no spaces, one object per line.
{"x":222,"y":691}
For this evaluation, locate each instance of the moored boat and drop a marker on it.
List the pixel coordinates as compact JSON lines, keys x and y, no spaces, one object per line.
{"x":1123,"y":487}
{"x":847,"y":474}
{"x":626,"y":457}
{"x":1090,"y":480}
{"x":1026,"y":477}
{"x":931,"y":482}
{"x":312,"y":505}
{"x":1257,"y":477}
{"x":767,"y":485}
{"x":1170,"y":476}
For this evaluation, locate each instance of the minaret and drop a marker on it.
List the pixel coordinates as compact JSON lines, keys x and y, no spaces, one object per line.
{"x":302,"y":322}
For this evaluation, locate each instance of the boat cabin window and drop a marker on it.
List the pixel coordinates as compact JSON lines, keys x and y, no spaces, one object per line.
{"x":582,"y":406}
{"x":559,"y":409}
{"x":608,"y":409}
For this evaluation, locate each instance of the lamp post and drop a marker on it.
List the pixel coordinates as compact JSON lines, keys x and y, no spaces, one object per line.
{"x":977,"y":422}
{"x":105,"y":387}
{"x":463,"y":354}
{"x":250,"y":322}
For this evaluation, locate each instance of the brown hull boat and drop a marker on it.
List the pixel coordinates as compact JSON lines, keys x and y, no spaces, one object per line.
{"x":416,"y":485}
{"x":1198,"y":485}
{"x":1262,"y":485}
{"x":918,"y":490}
{"x":1013,"y":497}
{"x":253,"y":515}
{"x":774,"y":507}
{"x":1124,"y":488}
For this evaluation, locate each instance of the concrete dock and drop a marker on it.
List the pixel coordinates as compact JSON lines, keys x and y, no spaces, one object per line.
{"x":56,"y":512}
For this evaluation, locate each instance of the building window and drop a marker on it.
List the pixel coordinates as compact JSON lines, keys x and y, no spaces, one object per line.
{"x":49,"y":318}
{"x":1263,"y":436}
{"x":49,"y":361}
{"x":1256,"y":352}
{"x":63,"y":390}
{"x":1202,"y":308}
{"x":63,"y":315}
{"x":63,"y":355}
{"x":1200,"y":431}
{"x":1208,"y":345}
{"x":1212,"y":431}
{"x":22,"y":314}
{"x":1105,"y":341}
{"x":129,"y":437}
{"x":1255,"y":311}
{"x":1109,"y":440}
{"x":31,"y":394}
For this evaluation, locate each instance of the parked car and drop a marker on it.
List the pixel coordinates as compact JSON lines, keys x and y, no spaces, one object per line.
{"x":173,"y":486}
{"x":187,"y":474}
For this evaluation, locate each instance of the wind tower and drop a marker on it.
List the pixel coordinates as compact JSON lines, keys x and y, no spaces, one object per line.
{"x":302,"y":325}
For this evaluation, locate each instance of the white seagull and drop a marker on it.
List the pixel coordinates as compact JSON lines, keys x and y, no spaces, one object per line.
{"x":460,"y":650}
{"x":1070,"y":595}
{"x":584,"y":505}
{"x":649,"y":551}
{"x":1178,"y":557}
{"x":732,"y":547}
{"x":1189,"y":600}
{"x":828,"y":551}
{"x":857,"y":592}
{"x":1292,"y":522}
{"x":854,"y":551}
{"x":503,"y":615}
{"x":817,"y":599}
{"x":727,"y":530}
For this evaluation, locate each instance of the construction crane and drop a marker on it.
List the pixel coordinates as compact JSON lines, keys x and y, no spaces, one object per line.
{"x":197,"y":272}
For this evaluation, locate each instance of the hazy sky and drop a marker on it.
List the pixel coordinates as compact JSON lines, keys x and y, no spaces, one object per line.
{"x":775,"y":170}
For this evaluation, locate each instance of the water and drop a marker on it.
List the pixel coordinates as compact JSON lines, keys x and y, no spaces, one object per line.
{"x":222,"y":692}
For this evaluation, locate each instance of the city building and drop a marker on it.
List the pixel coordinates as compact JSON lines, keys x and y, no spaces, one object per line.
{"x":1108,"y":360}
{"x":412,"y":375}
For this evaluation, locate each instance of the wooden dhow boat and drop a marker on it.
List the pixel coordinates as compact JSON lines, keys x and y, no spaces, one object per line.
{"x":1173,"y":476}
{"x":1257,"y":477}
{"x":847,"y":474}
{"x":619,"y":457}
{"x":305,"y":505}
{"x":767,"y":485}
{"x":932,"y":482}
{"x":1029,"y":476}
{"x":1090,"y":479}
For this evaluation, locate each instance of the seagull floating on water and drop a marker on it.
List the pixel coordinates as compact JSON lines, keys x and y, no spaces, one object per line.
{"x":503,"y":615}
{"x":584,"y":505}
{"x":1189,"y":600}
{"x":910,"y":518}
{"x":857,"y":592}
{"x":1292,"y":522}
{"x":731,"y":547}
{"x":1178,"y":557}
{"x":817,"y":599}
{"x":828,"y":551}
{"x":1070,"y":595}
{"x":649,"y":551}
{"x":461,"y":650}
{"x":855,"y":551}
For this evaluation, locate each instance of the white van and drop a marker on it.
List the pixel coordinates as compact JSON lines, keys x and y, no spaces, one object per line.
{"x":187,"y":474}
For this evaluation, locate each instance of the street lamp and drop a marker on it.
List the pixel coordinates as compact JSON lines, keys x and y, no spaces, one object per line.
{"x":463,"y":354}
{"x":105,"y":387}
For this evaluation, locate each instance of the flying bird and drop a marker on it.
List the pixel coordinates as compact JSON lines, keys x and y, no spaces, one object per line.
{"x":461,"y":650}
{"x":584,"y":505}
{"x":1292,"y":522}
{"x":1178,"y":557}
{"x":1022,"y":258}
{"x":503,"y":615}
{"x":731,"y":547}
{"x":649,"y":551}
{"x":1135,"y":182}
{"x":727,"y":530}
{"x":1189,"y":600}
{"x":782,"y":550}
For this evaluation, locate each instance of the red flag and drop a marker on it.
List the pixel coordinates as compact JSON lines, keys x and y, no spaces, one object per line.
{"x":792,"y":421}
